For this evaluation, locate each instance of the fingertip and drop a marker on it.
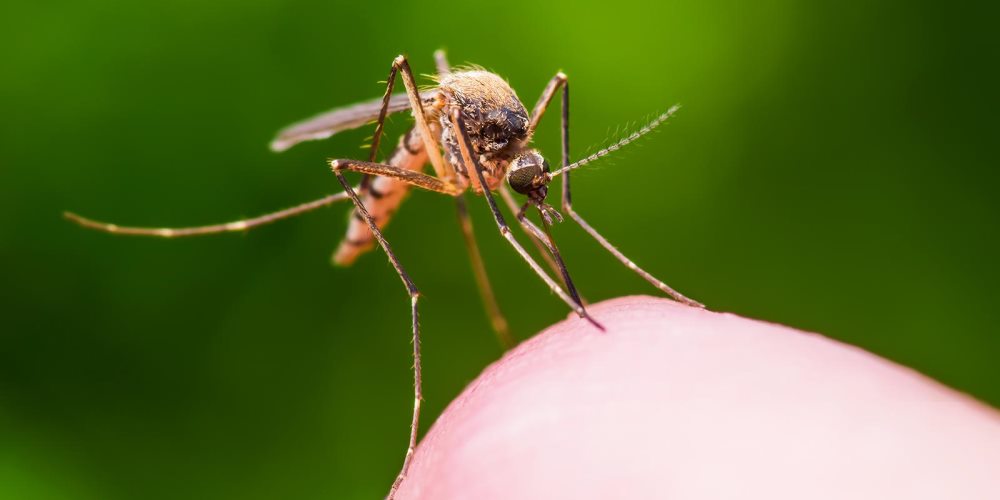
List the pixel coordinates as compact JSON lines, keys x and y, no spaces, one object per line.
{"x":671,"y":398}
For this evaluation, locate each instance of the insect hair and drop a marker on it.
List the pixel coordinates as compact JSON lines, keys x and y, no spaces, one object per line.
{"x":615,"y":135}
{"x":621,"y":143}
{"x":436,"y":78}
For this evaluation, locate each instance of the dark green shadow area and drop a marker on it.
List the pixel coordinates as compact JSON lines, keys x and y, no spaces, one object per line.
{"x":829,"y":170}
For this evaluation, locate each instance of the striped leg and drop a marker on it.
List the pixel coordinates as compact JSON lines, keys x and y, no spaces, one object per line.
{"x":411,"y":290}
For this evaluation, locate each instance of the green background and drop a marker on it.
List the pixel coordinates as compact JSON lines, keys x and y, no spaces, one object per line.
{"x":833,"y":168}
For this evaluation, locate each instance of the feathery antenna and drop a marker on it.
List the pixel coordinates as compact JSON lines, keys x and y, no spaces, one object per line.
{"x":620,"y":144}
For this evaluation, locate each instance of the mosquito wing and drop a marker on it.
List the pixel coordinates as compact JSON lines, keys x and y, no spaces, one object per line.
{"x":326,"y":124}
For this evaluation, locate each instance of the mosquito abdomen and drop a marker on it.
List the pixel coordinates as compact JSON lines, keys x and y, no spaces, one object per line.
{"x":382,"y":198}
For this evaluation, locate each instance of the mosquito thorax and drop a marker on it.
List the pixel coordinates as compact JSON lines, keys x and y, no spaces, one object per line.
{"x":528,"y":174}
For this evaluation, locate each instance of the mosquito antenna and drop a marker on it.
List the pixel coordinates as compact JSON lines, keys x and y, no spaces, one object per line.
{"x":620,"y":144}
{"x":175,"y":232}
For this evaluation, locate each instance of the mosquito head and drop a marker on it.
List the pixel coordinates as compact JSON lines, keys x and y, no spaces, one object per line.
{"x":529,"y":174}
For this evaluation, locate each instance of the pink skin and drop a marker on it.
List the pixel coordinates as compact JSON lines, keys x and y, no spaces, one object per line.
{"x":677,"y":402}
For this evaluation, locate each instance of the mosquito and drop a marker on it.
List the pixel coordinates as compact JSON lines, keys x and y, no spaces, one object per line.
{"x":476,"y":135}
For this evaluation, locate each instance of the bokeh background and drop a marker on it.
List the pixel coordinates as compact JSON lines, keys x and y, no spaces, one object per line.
{"x":833,"y":168}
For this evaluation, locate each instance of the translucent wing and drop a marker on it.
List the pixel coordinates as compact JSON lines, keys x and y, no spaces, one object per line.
{"x":326,"y":124}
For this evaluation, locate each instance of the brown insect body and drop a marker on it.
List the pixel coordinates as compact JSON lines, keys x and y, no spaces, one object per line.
{"x":497,"y":125}
{"x":495,"y":119}
{"x":483,"y":130}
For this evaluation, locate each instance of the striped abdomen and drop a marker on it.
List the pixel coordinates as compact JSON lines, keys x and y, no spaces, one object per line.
{"x":382,"y":199}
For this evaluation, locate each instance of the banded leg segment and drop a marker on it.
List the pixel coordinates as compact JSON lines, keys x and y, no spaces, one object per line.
{"x":560,"y":80}
{"x":411,"y":290}
{"x":467,"y":158}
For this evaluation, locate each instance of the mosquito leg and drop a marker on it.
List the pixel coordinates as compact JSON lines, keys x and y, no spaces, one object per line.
{"x":441,"y":61}
{"x":442,"y":168}
{"x":546,"y":238}
{"x":543,"y":102}
{"x":410,"y":177}
{"x":414,"y":294}
{"x":463,"y":143}
{"x":628,"y":262}
{"x":567,"y":203}
{"x":177,"y":232}
{"x":390,"y":82}
{"x":543,"y":242}
{"x":497,"y":320}
{"x":532,"y":235}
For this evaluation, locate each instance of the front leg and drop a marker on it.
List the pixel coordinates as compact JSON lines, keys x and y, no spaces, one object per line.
{"x":467,"y":158}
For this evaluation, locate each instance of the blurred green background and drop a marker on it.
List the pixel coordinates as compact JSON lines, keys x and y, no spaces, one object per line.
{"x":833,"y":168}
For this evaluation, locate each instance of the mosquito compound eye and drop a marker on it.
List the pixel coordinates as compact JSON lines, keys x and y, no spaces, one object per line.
{"x":522,"y":178}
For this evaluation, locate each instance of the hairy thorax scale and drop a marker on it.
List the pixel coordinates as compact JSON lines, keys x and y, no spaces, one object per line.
{"x":496,"y":121}
{"x":497,"y":125}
